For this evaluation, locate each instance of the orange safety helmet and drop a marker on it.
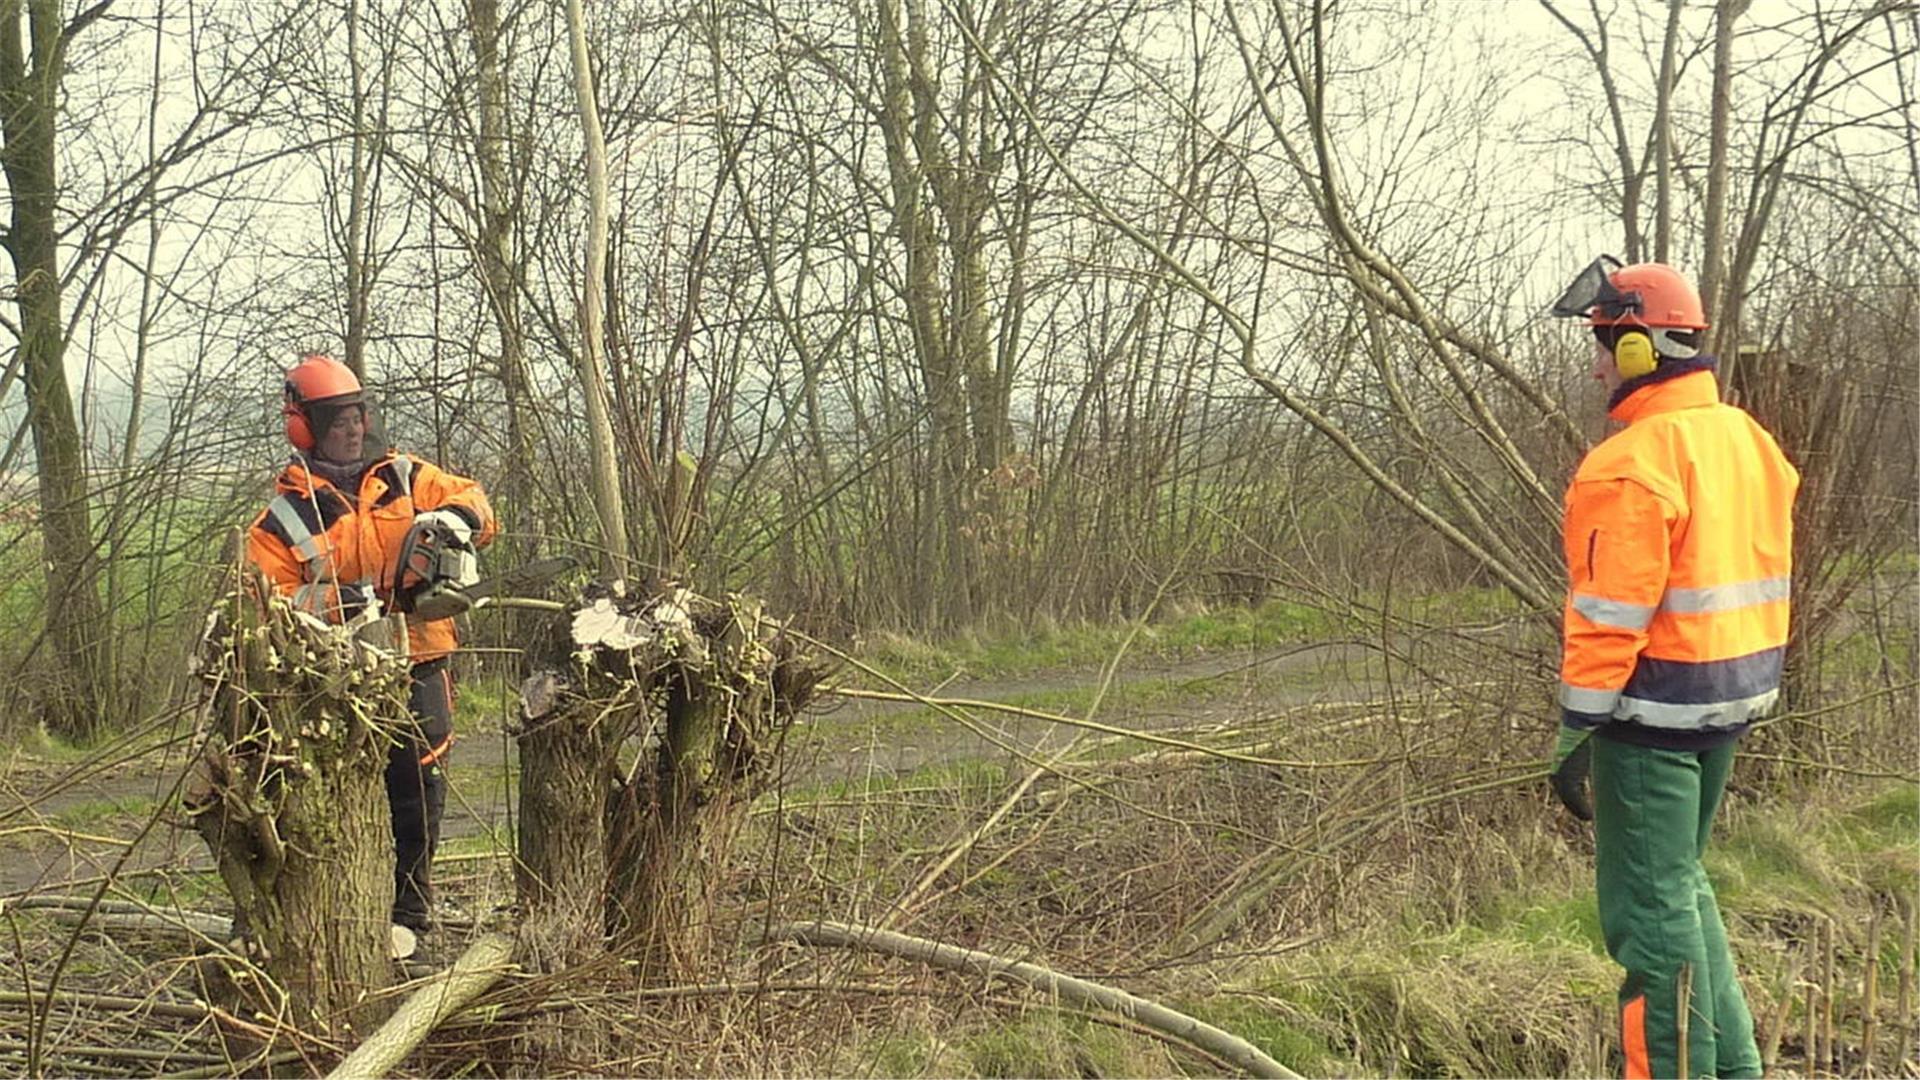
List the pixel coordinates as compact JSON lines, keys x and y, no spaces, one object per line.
{"x":1647,"y":295}
{"x":317,"y":380}
{"x":1636,"y":311}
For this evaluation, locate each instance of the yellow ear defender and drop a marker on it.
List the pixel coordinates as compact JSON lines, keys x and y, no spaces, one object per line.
{"x":1633,"y":355}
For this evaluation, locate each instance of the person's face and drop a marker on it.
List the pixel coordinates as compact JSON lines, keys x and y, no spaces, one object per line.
{"x":1605,"y":369}
{"x":344,"y":439}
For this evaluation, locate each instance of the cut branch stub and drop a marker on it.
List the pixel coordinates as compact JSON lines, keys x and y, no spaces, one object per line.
{"x":288,"y":792}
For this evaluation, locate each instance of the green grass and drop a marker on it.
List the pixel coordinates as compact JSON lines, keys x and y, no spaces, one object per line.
{"x":1468,"y":604}
{"x":481,"y":703}
{"x":1085,"y":645}
{"x":1138,"y":692}
{"x":1277,"y":1032}
{"x":95,"y":812}
{"x":1860,"y":655}
{"x":1041,"y":1043}
{"x":954,"y":778}
{"x":484,"y":842}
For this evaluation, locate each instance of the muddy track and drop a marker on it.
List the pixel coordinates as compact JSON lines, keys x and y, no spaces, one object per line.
{"x":61,"y":823}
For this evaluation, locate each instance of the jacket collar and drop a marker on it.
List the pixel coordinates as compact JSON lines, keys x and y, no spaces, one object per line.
{"x":1690,"y":387}
{"x":300,"y":477}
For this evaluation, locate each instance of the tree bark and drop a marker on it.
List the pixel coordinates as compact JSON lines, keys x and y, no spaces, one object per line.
{"x":607,"y":499}
{"x":1663,"y":136}
{"x":672,"y":828}
{"x":353,"y":249}
{"x":560,"y":876}
{"x":704,"y":689}
{"x":499,"y":275}
{"x":81,"y":699}
{"x":289,"y":794}
{"x":1714,"y":263}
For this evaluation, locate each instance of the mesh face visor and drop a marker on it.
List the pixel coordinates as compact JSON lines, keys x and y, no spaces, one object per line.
{"x":1592,"y":293}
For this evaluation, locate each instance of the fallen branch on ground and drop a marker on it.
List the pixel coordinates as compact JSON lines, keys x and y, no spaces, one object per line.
{"x":125,"y":915}
{"x":484,"y":963}
{"x":1178,"y":1025}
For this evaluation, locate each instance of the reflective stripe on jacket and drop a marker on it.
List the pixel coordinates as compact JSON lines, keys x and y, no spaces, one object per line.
{"x":316,"y":543}
{"x":1679,"y":546}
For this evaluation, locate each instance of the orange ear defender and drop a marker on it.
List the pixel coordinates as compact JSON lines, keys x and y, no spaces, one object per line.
{"x":316,"y":380}
{"x":299,"y":431}
{"x":1633,"y":355}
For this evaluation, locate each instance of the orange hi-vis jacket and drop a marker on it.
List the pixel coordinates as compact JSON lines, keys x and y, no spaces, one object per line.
{"x":313,"y":538}
{"x":1679,"y":545}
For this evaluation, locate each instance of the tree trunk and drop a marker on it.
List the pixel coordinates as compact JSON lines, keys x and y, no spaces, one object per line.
{"x":672,"y":828}
{"x":1663,"y":136}
{"x":1714,"y":264}
{"x":353,"y":247}
{"x":78,"y":629}
{"x":289,"y":794}
{"x":561,"y":877}
{"x":482,"y":965}
{"x":643,"y":868}
{"x":498,"y":266}
{"x":607,"y":499}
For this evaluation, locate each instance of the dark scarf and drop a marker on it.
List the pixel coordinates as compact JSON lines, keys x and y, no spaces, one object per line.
{"x":343,"y":475}
{"x":1668,"y":369}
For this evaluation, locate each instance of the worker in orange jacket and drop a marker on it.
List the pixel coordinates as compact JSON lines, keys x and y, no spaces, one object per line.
{"x":1679,"y":545}
{"x":331,"y":539}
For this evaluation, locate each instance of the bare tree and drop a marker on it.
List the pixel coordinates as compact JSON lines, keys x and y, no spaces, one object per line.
{"x":77,"y":626}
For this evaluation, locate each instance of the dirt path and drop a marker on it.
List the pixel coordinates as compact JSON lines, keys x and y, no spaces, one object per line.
{"x":62,"y":823}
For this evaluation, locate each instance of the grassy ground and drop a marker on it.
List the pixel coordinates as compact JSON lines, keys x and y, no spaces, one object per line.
{"x":1508,"y":981}
{"x":1057,"y":647}
{"x":1457,"y":938}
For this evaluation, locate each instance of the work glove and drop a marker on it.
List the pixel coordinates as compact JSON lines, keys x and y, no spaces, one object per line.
{"x":1572,"y":758}
{"x":450,"y":520}
{"x":335,"y":602}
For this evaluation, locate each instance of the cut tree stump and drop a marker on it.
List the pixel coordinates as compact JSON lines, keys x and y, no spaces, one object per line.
{"x":288,"y":792}
{"x":701,"y":690}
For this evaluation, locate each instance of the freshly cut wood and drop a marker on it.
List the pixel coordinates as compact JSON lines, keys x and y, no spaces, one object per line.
{"x":485,"y":962}
{"x":939,"y":954}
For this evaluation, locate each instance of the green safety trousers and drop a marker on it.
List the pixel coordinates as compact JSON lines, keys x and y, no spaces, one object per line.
{"x":1653,"y":810}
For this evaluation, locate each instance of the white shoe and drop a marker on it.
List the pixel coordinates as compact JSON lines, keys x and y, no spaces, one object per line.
{"x":401,"y":942}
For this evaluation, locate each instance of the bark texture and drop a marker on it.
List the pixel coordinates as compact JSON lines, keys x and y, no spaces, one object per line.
{"x":289,"y":796}
{"x":79,"y":637}
{"x":697,"y":692}
{"x":560,"y":877}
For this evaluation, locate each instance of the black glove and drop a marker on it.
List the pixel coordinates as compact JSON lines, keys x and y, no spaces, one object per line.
{"x":1572,"y":759}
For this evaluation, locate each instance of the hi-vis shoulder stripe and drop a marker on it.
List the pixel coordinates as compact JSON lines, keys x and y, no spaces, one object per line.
{"x":305,"y":544}
{"x":1617,"y":613}
{"x":403,"y":474}
{"x":1726,"y":597}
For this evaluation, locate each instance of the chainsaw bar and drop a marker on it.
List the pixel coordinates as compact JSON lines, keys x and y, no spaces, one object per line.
{"x":520,"y":579}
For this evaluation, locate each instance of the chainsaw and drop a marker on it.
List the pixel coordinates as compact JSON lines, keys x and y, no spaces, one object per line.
{"x":437,"y":575}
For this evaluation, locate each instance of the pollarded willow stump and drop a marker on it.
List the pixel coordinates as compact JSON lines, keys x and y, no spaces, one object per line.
{"x":697,"y":692}
{"x":289,"y":794}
